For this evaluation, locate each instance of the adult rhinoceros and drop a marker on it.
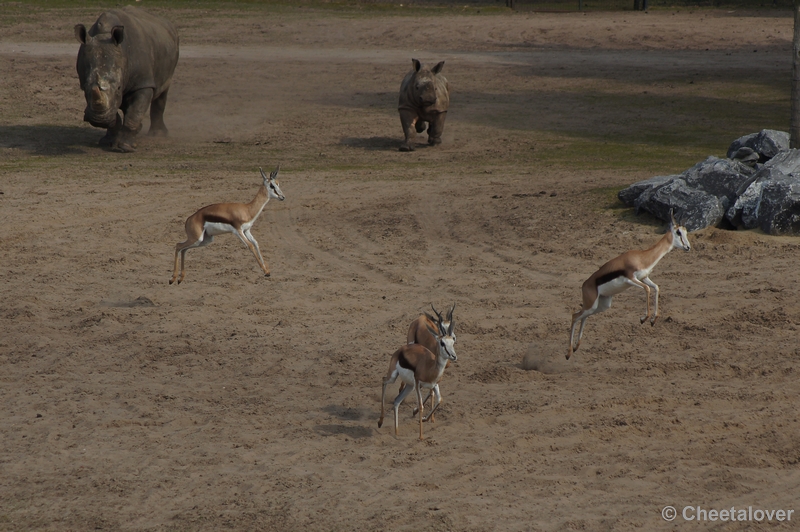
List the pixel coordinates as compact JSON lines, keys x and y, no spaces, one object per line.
{"x":125,"y":63}
{"x":424,"y":99}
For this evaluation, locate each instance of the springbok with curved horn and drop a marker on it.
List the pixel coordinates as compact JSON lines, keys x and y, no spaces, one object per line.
{"x":221,"y":218}
{"x":418,"y":368}
{"x":421,"y":332}
{"x":632,"y":268}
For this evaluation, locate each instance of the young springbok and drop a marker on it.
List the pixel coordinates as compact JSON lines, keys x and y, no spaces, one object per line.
{"x":632,"y":268}
{"x":418,"y":368}
{"x":421,"y":332}
{"x":221,"y":218}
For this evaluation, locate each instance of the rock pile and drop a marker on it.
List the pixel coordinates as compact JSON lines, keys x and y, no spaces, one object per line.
{"x":756,"y":186}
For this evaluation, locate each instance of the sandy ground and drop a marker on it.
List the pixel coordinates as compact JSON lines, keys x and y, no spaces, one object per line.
{"x":235,"y":401}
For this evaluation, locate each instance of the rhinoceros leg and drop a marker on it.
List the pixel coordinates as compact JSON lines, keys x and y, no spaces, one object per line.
{"x":436,"y":128}
{"x":111,"y":133}
{"x":408,"y":119}
{"x":134,"y":105}
{"x":157,"y":126}
{"x":421,"y":125}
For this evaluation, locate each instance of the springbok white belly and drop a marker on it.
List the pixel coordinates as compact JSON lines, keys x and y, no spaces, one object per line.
{"x":217,"y":228}
{"x":407,"y":376}
{"x":614,"y":286}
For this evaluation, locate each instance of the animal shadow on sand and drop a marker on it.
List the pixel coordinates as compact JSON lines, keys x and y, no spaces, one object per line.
{"x":48,"y":140}
{"x":373,"y":143}
{"x":346,"y":414}
{"x":140,"y":301}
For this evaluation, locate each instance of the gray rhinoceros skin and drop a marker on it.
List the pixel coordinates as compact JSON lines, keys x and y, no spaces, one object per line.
{"x":125,"y":63}
{"x":424,"y":100}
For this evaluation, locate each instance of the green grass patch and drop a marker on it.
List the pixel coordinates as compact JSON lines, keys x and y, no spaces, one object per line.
{"x":604,"y":200}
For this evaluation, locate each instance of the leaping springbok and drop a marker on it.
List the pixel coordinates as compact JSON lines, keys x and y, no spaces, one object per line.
{"x":221,"y":218}
{"x":418,"y":368}
{"x":632,"y":268}
{"x":421,"y":332}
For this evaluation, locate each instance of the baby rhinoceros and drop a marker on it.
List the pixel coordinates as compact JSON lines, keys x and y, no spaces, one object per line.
{"x":125,"y":63}
{"x":424,"y":99}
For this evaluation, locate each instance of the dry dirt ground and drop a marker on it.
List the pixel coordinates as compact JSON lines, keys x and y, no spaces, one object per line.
{"x":235,"y":401}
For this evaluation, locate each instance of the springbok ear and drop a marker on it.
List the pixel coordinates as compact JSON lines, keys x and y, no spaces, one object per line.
{"x":80,"y":33}
{"x":450,"y":329}
{"x":417,"y":64}
{"x":118,"y":34}
{"x":438,"y":68}
{"x":263,"y":175}
{"x":274,"y":174}
{"x":450,"y":314}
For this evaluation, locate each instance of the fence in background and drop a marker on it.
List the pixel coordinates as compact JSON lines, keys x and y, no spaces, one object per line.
{"x":596,"y":5}
{"x":605,"y":5}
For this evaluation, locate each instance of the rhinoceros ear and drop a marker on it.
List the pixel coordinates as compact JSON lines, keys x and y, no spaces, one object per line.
{"x":438,"y":68}
{"x":417,"y":64}
{"x":80,"y":33}
{"x":118,"y":34}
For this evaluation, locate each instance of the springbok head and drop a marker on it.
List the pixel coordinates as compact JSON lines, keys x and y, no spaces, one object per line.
{"x":271,"y":183}
{"x":445,"y":322}
{"x":680,"y":235}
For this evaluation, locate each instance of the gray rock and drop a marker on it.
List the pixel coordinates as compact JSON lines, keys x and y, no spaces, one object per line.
{"x":779,"y":211}
{"x":767,"y":143}
{"x":746,"y":155}
{"x":771,"y":199}
{"x":719,"y":177}
{"x":629,"y":195}
{"x":694,"y":208}
{"x":736,"y":191}
{"x":700,"y":196}
{"x":743,"y":214}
